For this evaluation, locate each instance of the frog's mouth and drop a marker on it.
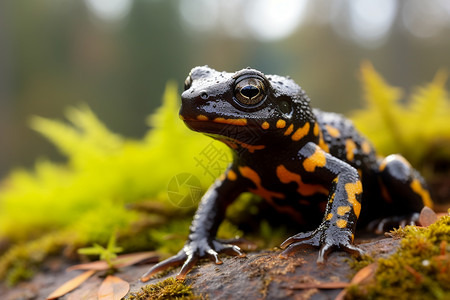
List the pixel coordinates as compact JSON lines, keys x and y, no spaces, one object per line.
{"x":221,"y":128}
{"x":215,"y":126}
{"x":217,"y":120}
{"x":234,"y":134}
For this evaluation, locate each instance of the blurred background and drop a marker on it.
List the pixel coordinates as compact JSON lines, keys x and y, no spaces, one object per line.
{"x":117,"y":55}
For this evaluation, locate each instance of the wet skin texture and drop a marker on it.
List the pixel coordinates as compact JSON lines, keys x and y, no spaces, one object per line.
{"x":309,"y":165}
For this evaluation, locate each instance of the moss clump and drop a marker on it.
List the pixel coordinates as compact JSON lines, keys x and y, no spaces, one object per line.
{"x":420,"y":269}
{"x":167,"y":289}
{"x":360,"y":262}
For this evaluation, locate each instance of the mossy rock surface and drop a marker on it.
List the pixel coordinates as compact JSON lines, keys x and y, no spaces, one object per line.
{"x":260,"y":275}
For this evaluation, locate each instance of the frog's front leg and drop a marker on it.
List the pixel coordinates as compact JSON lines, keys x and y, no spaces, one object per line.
{"x":201,"y":242}
{"x":343,"y":208}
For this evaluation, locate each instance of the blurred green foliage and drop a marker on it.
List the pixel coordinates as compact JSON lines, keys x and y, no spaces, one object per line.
{"x":85,"y":199}
{"x":417,"y":128}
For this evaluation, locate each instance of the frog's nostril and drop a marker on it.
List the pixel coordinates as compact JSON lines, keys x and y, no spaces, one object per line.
{"x":204,"y":95}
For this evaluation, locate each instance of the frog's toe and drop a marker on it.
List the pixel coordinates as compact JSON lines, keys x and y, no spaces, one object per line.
{"x":163,"y":265}
{"x":297,"y":238}
{"x":190,"y":262}
{"x":229,"y":249}
{"x":213,"y":255}
{"x":326,"y":248}
{"x":323,"y":252}
{"x":239,"y":242}
{"x":321,"y":239}
{"x":293,"y":246}
{"x":352,"y":249}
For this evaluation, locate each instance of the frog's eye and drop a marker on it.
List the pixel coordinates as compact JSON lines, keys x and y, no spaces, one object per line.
{"x":250,"y":91}
{"x":187,"y":83}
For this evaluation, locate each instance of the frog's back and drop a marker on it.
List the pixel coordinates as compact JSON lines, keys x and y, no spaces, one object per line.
{"x":390,"y":184}
{"x":345,"y":142}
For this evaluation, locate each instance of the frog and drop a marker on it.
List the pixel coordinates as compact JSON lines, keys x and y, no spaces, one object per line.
{"x":311,"y":166}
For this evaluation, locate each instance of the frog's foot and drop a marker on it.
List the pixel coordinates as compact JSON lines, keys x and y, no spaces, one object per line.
{"x":242,"y":243}
{"x":191,"y":253}
{"x":379,"y":226}
{"x":325,"y":239}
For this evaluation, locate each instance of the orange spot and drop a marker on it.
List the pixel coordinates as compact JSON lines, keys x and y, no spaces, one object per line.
{"x":316,"y":129}
{"x":322,"y":143}
{"x":331,"y":198}
{"x":382,"y":165}
{"x":231,"y":175}
{"x":202,"y":118}
{"x":341,"y":223}
{"x":317,"y":159}
{"x":342,"y":210}
{"x":352,"y":190}
{"x":265,"y":125}
{"x":181,"y":117}
{"x":333,"y":131}
{"x":365,"y":147}
{"x":251,"y":174}
{"x":250,"y":148}
{"x":233,"y":144}
{"x":350,"y":147}
{"x":329,"y":216}
{"x":301,"y":132}
{"x":281,"y":123}
{"x":304,"y":189}
{"x":238,"y":122}
{"x":289,"y":130}
{"x":423,"y":193}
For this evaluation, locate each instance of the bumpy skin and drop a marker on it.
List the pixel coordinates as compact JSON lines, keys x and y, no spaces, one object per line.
{"x":310,"y":165}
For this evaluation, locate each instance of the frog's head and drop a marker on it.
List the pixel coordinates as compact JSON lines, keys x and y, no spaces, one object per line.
{"x":246,"y":106}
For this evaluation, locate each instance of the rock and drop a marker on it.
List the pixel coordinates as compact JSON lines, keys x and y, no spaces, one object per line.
{"x":263,"y":275}
{"x":260,"y":275}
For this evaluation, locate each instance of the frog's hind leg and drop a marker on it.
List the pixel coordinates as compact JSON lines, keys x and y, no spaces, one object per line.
{"x":403,"y":189}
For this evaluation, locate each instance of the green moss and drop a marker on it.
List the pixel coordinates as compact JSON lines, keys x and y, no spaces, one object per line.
{"x":168,"y":289}
{"x":19,"y":272}
{"x":420,"y":269}
{"x":21,"y":261}
{"x":359,"y":262}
